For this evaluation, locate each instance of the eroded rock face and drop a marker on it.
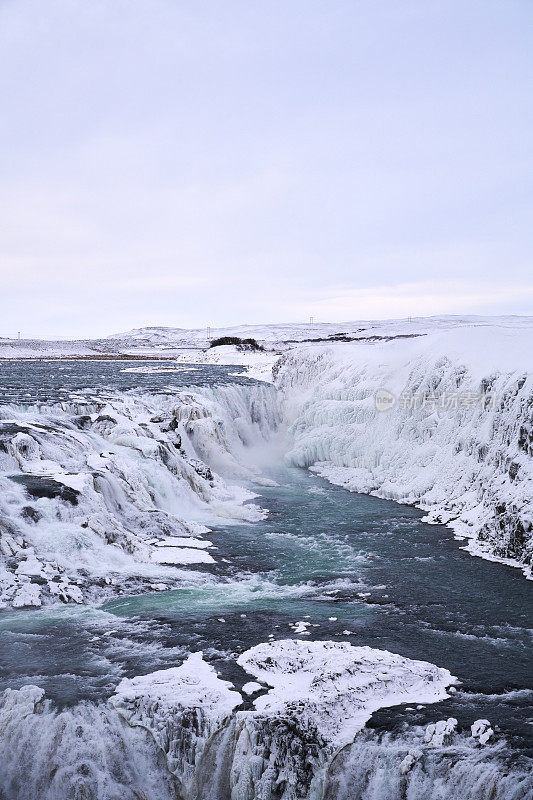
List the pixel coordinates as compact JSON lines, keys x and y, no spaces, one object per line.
{"x":456,"y":439}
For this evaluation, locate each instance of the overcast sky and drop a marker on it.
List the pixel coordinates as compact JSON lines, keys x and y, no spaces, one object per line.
{"x":192,"y":163}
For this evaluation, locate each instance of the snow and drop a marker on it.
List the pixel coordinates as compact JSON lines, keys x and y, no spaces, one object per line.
{"x":182,"y":541}
{"x":335,"y":687}
{"x":183,"y":729}
{"x":482,"y":731}
{"x":181,"y":555}
{"x":28,"y":594}
{"x":321,"y":695}
{"x":182,"y":708}
{"x":122,"y":501}
{"x":258,"y":364}
{"x":457,"y":440}
{"x":190,"y":346}
{"x":252,"y":687}
{"x":300,"y":627}
{"x":441,"y":732}
{"x":194,"y":684}
{"x":148,"y":473}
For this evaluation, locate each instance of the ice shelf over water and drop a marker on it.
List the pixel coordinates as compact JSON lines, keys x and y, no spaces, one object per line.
{"x":182,"y":734}
{"x":334,"y":687}
{"x":322,"y":693}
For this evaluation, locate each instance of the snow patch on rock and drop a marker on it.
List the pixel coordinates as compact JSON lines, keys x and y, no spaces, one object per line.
{"x":335,"y":687}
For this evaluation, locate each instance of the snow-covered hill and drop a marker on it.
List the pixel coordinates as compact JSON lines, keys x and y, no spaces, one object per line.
{"x":161,"y":342}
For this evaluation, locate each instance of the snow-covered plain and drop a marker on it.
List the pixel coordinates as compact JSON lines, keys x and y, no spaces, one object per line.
{"x":188,"y":344}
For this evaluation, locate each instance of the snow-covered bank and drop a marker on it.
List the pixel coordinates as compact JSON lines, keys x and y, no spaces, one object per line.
{"x":193,"y":345}
{"x":444,"y":421}
{"x":96,"y":496}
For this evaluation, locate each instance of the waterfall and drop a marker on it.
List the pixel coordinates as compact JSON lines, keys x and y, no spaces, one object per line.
{"x":89,"y":752}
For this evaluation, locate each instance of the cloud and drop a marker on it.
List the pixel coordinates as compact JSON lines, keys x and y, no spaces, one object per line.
{"x":184,"y":164}
{"x":426,"y":298}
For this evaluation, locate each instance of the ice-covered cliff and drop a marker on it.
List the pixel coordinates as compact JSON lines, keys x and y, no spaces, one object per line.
{"x":444,"y":421}
{"x":183,"y":734}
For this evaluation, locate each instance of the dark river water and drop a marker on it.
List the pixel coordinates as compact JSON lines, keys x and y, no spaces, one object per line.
{"x":31,"y":382}
{"x":351,"y":567}
{"x":355,"y":568}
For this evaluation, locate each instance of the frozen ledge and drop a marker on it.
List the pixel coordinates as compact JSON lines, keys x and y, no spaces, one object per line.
{"x":194,"y":684}
{"x":321,"y":694}
{"x":335,"y":687}
{"x":190,"y":723}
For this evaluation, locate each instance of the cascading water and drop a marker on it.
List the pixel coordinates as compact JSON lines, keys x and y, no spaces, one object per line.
{"x":82,"y":753}
{"x":400,"y":767}
{"x":108,"y":498}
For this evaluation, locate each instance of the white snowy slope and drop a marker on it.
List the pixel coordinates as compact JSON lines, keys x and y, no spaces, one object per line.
{"x":451,"y":430}
{"x":292,"y":332}
{"x":164,"y":342}
{"x":99,"y":496}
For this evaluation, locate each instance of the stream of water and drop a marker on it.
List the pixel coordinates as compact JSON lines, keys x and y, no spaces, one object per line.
{"x":351,"y":567}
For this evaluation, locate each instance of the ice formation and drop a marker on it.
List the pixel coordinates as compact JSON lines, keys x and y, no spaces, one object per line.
{"x":456,"y":439}
{"x":181,"y":734}
{"x":97,"y":496}
{"x":183,"y":708}
{"x":321,"y":695}
{"x":455,"y":436}
{"x":333,"y":687}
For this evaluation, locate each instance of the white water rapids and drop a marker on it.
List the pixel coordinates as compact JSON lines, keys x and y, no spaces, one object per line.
{"x":108,"y":497}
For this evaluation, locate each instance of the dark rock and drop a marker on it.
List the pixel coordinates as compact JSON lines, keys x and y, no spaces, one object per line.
{"x":40,"y":486}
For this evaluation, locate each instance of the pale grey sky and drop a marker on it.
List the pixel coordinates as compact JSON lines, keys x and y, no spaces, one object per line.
{"x":193,"y":163}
